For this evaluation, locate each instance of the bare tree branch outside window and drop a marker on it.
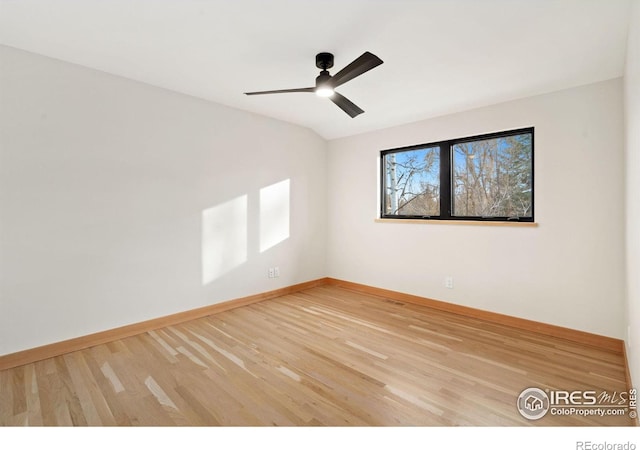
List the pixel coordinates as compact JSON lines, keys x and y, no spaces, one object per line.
{"x":492,"y":178}
{"x":413,"y":184}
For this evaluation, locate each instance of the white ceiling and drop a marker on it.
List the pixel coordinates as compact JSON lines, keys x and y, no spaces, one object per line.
{"x":440,"y":56}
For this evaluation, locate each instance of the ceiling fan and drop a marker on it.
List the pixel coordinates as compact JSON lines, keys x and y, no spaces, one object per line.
{"x":326,"y":83}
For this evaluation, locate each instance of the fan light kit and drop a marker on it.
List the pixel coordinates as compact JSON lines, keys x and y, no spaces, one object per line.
{"x":326,"y":84}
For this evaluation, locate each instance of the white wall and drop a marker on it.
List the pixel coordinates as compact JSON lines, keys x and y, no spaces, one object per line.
{"x":568,"y":271}
{"x":121,"y":202}
{"x":632,"y":119}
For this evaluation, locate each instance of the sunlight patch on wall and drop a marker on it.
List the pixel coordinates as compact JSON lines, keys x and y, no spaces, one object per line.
{"x":224,"y":238}
{"x":274,"y":214}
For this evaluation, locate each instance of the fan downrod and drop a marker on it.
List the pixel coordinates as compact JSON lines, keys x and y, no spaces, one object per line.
{"x":324,"y":61}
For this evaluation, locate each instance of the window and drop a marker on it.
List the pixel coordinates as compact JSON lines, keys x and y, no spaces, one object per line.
{"x":488,"y":177}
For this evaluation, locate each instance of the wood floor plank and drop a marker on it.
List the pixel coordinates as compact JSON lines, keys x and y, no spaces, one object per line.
{"x":324,"y":356}
{"x":104,"y":389}
{"x":19,"y":392}
{"x":6,"y":397}
{"x":32,"y":395}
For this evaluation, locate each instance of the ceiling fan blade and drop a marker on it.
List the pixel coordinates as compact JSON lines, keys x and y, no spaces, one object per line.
{"x":346,"y":105}
{"x":360,"y":65}
{"x":282,"y":91}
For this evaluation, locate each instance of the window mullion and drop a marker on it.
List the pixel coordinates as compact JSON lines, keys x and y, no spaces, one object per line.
{"x":445,"y":180}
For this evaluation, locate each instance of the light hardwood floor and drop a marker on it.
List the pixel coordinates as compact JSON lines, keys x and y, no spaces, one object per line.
{"x":324,"y":356}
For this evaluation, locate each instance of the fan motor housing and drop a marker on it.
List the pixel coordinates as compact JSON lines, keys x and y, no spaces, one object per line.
{"x":324,"y":61}
{"x":322,"y":78}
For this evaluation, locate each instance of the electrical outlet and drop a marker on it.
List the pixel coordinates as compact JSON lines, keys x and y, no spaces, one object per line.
{"x":271,"y":272}
{"x":448,"y":282}
{"x":276,"y":272}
